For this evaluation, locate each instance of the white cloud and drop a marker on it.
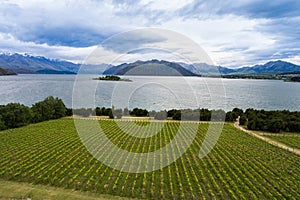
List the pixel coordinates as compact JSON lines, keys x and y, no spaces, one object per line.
{"x":165,"y":5}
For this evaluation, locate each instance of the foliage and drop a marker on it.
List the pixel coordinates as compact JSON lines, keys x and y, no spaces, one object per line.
{"x":243,"y":120}
{"x":112,"y":78}
{"x":15,"y":115}
{"x":273,"y":121}
{"x":2,"y":124}
{"x":162,"y":115}
{"x":117,"y":113}
{"x":138,"y":112}
{"x":50,"y":108}
{"x":295,"y":79}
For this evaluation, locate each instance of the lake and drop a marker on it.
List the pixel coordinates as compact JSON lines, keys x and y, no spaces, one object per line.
{"x":153,"y":93}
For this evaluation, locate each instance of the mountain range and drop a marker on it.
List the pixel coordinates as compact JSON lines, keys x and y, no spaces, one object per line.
{"x":27,"y":64}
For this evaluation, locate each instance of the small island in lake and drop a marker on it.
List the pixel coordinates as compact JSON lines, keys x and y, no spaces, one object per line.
{"x":112,"y":78}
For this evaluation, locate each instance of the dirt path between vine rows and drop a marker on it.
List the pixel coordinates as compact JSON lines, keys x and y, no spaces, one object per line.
{"x":268,"y":140}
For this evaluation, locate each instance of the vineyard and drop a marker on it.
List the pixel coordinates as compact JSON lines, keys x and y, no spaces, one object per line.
{"x":239,"y":167}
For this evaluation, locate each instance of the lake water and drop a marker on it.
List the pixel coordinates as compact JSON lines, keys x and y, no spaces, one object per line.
{"x":153,"y":93}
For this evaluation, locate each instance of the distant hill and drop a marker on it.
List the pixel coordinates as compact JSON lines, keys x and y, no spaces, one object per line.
{"x":4,"y":72}
{"x":150,"y":68}
{"x":270,"y":67}
{"x":154,"y":67}
{"x":33,"y":64}
{"x":206,"y":69}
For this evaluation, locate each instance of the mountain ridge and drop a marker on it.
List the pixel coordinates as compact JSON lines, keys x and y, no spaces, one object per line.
{"x":28,"y":64}
{"x":32,"y":64}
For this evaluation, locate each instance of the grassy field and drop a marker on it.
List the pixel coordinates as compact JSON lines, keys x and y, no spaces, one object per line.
{"x":239,"y":167}
{"x":12,"y":190}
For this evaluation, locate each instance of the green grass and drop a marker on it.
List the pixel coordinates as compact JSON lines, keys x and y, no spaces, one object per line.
{"x":15,"y":190}
{"x":239,"y":167}
{"x":290,"y":140}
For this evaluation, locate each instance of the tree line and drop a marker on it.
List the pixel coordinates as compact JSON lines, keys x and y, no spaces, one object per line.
{"x":175,"y":114}
{"x":14,"y":115}
{"x":273,"y":121}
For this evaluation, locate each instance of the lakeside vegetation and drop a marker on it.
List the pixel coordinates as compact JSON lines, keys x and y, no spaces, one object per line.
{"x":272,"y":121}
{"x":14,"y":115}
{"x":287,"y":77}
{"x":239,"y":167}
{"x":112,"y":78}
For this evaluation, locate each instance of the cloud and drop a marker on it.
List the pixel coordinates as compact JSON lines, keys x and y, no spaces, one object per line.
{"x":12,"y":45}
{"x":129,"y":41}
{"x":234,"y":33}
{"x":246,"y":8}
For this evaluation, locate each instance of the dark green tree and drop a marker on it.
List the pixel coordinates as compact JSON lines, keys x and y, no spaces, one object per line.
{"x":15,"y":115}
{"x":276,"y":125}
{"x":243,"y":120}
{"x":49,"y":108}
{"x":2,"y":124}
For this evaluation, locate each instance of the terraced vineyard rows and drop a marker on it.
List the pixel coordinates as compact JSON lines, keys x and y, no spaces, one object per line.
{"x":239,"y":167}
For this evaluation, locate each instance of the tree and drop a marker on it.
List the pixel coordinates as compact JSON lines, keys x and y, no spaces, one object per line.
{"x":177,"y":115}
{"x":162,"y":115}
{"x":126,"y":112}
{"x":243,"y":120}
{"x":139,"y":112}
{"x":60,"y":109}
{"x":276,"y":125}
{"x":293,"y":126}
{"x":252,"y":124}
{"x":69,"y":112}
{"x":2,"y":124}
{"x":228,"y":117}
{"x":117,"y":113}
{"x":15,"y":115}
{"x":238,"y":111}
{"x":98,"y":111}
{"x":49,"y":108}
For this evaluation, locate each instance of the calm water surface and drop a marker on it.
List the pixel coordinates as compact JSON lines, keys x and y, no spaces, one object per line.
{"x":153,"y":93}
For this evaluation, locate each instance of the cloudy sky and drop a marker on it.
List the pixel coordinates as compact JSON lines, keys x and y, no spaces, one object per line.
{"x":234,"y":33}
